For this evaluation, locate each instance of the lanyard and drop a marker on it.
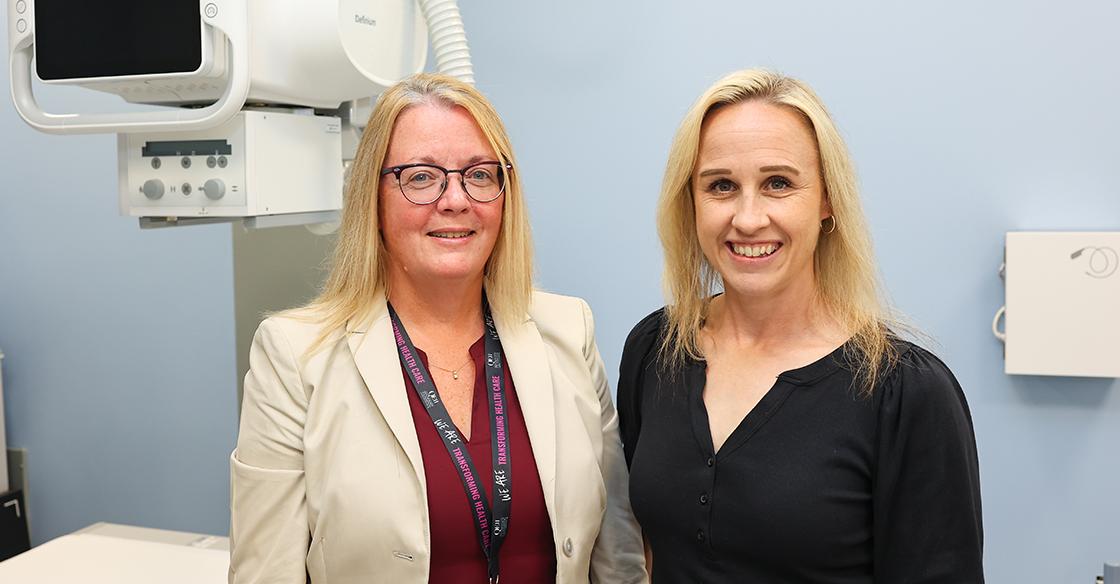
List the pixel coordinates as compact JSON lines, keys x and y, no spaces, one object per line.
{"x":493,"y":525}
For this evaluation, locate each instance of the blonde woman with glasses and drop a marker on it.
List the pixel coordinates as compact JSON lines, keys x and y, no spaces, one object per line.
{"x":776,"y":426}
{"x":430,"y":417}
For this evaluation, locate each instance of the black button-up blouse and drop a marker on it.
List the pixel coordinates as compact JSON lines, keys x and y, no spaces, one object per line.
{"x":816,"y":484}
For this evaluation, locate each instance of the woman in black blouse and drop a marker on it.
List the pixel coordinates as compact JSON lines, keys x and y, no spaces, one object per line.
{"x":781,"y":431}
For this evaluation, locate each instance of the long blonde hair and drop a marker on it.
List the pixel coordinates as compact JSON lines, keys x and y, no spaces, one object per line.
{"x":358,"y":268}
{"x":844,"y":262}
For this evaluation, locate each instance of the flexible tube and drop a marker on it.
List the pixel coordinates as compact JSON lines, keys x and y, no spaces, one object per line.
{"x":449,"y":40}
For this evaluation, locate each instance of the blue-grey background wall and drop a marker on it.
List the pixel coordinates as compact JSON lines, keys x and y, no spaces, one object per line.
{"x":119,"y":373}
{"x":966,"y":120}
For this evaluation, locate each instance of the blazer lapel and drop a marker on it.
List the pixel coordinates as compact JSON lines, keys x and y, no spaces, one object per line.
{"x":375,"y":354}
{"x":528,"y":362}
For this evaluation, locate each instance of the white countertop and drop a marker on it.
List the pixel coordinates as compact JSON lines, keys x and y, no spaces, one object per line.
{"x":106,"y":553}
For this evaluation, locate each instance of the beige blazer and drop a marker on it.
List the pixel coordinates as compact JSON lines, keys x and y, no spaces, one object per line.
{"x":327,"y":478}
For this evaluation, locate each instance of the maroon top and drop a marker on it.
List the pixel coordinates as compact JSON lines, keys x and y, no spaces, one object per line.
{"x":528,"y":555}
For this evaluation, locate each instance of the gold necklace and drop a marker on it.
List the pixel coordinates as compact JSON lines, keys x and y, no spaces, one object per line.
{"x":454,"y":372}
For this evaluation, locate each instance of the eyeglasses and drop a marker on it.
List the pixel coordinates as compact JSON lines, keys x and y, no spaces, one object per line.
{"x":424,"y":184}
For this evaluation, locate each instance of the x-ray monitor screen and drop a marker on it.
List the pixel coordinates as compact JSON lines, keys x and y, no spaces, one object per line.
{"x":83,"y":40}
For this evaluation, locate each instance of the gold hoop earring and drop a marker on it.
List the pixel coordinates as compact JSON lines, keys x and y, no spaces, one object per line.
{"x":831,"y":224}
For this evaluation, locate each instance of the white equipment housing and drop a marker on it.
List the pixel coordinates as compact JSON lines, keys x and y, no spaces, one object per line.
{"x":338,"y":50}
{"x":1062,"y":304}
{"x":306,"y":69}
{"x":259,"y":163}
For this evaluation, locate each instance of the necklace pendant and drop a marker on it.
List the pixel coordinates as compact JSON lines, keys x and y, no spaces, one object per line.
{"x":455,"y":375}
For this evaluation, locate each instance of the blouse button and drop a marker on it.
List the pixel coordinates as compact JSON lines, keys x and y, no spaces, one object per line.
{"x":568,"y":547}
{"x":700,"y":535}
{"x":703,"y":498}
{"x":711,"y":461}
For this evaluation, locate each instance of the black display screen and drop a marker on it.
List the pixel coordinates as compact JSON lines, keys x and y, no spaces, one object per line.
{"x":75,"y":40}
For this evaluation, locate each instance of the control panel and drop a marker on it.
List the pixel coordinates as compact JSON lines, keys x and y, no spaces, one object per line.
{"x":191,"y":172}
{"x":259,"y":163}
{"x":205,"y":175}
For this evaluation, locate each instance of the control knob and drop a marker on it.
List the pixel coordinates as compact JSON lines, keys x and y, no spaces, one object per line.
{"x":214,"y":189}
{"x":153,"y":188}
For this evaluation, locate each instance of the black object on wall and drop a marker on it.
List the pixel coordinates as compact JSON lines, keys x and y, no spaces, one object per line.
{"x":14,"y":537}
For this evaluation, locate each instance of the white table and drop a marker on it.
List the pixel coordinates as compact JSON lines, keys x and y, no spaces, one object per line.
{"x":107,"y":553}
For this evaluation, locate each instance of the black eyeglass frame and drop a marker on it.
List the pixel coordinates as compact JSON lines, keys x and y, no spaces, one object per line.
{"x":396,"y":171}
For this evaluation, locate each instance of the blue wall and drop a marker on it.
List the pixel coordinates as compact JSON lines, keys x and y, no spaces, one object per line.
{"x":966,"y":121}
{"x":120,"y":373}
